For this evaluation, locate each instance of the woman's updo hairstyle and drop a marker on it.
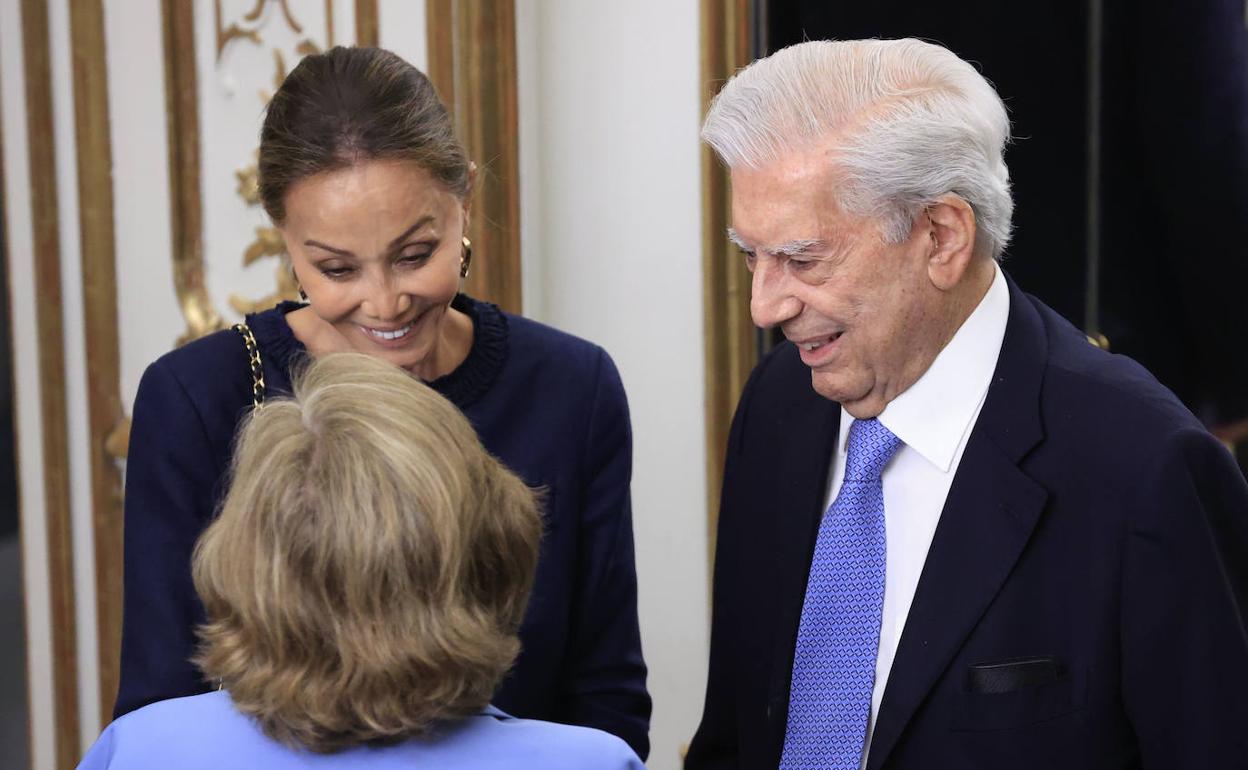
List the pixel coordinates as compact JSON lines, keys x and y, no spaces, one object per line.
{"x":348,"y":105}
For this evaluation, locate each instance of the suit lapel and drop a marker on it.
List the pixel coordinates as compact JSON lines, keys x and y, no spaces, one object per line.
{"x":810,"y":430}
{"x":987,"y":520}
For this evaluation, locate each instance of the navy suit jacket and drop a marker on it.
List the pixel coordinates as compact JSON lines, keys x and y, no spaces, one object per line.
{"x":1092,"y":524}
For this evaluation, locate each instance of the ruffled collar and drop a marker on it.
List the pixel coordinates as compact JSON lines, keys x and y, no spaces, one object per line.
{"x":463,"y":386}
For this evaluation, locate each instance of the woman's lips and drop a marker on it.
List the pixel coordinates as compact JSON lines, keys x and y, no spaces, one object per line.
{"x":388,"y":334}
{"x":393,"y":337}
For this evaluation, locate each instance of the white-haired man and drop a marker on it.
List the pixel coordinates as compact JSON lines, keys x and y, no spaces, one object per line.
{"x":977,"y":540}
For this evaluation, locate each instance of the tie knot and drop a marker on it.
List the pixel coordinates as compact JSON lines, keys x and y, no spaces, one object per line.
{"x":871,"y":446}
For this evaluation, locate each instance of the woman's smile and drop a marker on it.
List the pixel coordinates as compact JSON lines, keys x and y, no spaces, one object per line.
{"x":387,"y":335}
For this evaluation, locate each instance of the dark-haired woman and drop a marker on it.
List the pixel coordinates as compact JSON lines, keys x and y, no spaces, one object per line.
{"x":361,"y":173}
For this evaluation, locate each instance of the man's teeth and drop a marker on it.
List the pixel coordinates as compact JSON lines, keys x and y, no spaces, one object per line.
{"x":809,"y":346}
{"x":390,"y":335}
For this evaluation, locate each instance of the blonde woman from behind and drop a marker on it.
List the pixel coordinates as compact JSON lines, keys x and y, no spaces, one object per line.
{"x":363,"y":587}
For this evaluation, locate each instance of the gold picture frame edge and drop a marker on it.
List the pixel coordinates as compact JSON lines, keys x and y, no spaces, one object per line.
{"x":96,"y":213}
{"x":728,"y":333}
{"x":45,"y":226}
{"x":474,"y":72}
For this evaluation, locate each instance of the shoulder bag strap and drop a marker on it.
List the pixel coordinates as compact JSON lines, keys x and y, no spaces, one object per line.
{"x":253,"y":359}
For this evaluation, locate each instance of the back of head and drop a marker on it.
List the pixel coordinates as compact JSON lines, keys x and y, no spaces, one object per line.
{"x":905,"y":122}
{"x":371,"y":563}
{"x":348,"y":105}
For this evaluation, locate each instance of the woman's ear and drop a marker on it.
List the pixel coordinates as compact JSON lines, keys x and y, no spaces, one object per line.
{"x":951,"y":232}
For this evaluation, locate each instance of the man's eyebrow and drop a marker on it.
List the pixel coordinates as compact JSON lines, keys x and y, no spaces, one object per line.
{"x":794,"y":248}
{"x":736,"y":239}
{"x":419,"y":223}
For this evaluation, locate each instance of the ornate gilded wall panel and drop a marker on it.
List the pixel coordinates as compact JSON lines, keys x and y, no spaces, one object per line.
{"x":221,"y":238}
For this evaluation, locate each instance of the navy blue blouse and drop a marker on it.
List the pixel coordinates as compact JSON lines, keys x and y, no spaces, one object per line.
{"x":547,"y":404}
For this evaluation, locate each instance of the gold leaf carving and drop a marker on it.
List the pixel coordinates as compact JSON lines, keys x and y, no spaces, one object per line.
{"x":308,"y":48}
{"x":248,"y":184}
{"x":268,"y":243}
{"x":295,"y":26}
{"x":233,"y":32}
{"x":118,"y":440}
{"x":236,"y":30}
{"x":254,"y":13}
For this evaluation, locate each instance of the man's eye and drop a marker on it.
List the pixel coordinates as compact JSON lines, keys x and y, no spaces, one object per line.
{"x":799,"y":265}
{"x":750,"y":259}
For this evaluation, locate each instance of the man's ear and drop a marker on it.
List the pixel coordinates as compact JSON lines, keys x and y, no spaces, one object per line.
{"x":951,"y":233}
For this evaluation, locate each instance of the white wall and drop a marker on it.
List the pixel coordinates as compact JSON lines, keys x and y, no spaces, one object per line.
{"x":401,"y":28}
{"x":148,"y":317}
{"x":611,"y":211}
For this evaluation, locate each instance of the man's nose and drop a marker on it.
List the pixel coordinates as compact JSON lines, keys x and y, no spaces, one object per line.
{"x":771,"y":302}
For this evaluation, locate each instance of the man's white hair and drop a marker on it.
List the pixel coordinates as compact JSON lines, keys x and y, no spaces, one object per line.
{"x":908,"y":121}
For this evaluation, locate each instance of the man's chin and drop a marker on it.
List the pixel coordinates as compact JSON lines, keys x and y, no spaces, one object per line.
{"x":830,"y":386}
{"x":858,"y":401}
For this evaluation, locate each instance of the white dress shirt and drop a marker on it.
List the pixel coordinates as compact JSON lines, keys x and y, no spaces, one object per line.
{"x":933,"y":418}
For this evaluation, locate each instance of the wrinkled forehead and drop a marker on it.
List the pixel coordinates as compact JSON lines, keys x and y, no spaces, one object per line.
{"x":791,"y":200}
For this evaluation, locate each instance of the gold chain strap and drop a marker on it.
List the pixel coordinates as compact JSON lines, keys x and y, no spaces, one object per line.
{"x":257,"y":366}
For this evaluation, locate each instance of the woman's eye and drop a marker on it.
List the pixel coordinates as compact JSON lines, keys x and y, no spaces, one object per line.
{"x":336,"y":271}
{"x":415,"y":254}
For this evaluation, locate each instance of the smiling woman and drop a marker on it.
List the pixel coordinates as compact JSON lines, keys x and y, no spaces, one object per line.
{"x":377,"y":252}
{"x":361,"y":173}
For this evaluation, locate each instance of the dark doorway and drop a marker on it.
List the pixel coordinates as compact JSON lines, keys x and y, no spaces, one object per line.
{"x":14,"y":720}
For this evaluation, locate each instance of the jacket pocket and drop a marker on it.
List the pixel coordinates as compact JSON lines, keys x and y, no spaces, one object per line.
{"x":982,"y":711}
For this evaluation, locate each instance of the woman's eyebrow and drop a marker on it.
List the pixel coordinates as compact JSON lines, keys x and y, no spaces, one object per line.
{"x":419,"y":223}
{"x":330,"y":249}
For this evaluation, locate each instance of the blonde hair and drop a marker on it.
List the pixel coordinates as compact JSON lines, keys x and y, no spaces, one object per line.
{"x":371,"y":563}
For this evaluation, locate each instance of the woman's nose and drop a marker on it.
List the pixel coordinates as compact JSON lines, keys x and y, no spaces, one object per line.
{"x":386,"y":301}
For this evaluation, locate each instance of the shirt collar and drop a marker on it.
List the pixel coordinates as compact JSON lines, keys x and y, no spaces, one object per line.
{"x":934,"y":413}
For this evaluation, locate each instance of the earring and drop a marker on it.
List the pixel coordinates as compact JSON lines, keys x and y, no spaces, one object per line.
{"x":465,"y":259}
{"x":303,"y":295}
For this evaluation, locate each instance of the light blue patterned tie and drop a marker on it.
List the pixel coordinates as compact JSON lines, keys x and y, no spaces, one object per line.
{"x":839,"y":633}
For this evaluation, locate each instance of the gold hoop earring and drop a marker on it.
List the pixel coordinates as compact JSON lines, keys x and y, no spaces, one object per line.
{"x":465,"y":258}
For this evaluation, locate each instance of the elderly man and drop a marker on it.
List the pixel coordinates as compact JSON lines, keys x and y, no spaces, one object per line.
{"x":954,"y":534}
